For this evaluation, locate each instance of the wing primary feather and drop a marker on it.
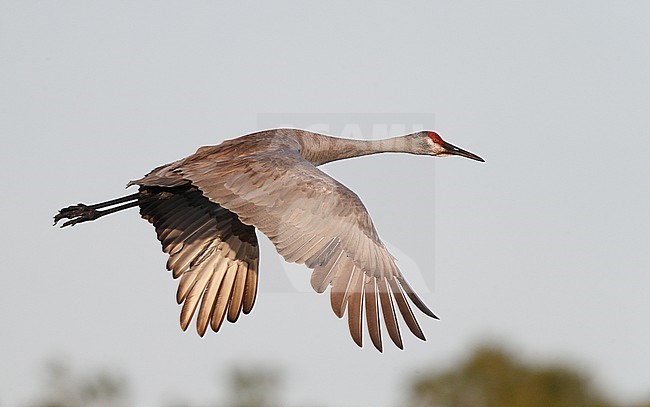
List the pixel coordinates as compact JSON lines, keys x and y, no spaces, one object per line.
{"x":223,"y":297}
{"x":355,"y":307}
{"x":414,"y":297}
{"x":340,"y":287}
{"x":388,"y":310}
{"x":405,"y":309}
{"x":185,"y":284}
{"x":205,"y":253}
{"x":372,"y":312}
{"x":210,"y":296}
{"x":238,"y":292}
{"x":194,"y":295}
{"x":196,"y":267}
{"x":250,"y":291}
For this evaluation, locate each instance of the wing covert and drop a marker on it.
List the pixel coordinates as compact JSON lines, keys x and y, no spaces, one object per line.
{"x":313,"y":219}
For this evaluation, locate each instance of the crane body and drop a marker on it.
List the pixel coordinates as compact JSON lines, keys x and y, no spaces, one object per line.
{"x":206,"y":207}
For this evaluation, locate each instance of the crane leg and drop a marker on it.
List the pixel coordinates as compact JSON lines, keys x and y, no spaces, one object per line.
{"x":82,"y":213}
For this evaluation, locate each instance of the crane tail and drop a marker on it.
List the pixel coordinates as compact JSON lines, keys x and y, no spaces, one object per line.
{"x":83,"y":213}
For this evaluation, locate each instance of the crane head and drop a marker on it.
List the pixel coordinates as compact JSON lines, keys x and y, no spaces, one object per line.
{"x":440,"y":148}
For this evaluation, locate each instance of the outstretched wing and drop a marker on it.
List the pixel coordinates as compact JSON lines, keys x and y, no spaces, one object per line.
{"x":313,"y":219}
{"x":213,"y":253}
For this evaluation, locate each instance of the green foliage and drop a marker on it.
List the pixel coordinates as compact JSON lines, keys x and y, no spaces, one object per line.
{"x":254,"y":388}
{"x":493,"y":378}
{"x":490,"y":377}
{"x":65,"y":389}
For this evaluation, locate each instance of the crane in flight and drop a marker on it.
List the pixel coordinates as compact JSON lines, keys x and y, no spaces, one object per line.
{"x":205,"y":209}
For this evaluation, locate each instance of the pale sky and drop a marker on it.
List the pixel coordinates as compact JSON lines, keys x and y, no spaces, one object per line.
{"x":545,"y":247}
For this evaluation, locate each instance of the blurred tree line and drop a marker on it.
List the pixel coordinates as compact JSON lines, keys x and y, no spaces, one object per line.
{"x":489,"y":377}
{"x":492,"y":377}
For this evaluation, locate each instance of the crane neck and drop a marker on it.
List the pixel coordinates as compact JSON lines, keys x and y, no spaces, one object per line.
{"x":324,"y":149}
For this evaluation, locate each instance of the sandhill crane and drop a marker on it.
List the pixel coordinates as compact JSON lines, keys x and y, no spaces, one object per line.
{"x":205,"y":209}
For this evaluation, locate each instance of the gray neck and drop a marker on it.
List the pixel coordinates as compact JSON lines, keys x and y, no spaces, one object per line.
{"x":320,"y":149}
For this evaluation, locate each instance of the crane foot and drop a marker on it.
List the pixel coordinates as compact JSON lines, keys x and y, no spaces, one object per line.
{"x":77,"y":214}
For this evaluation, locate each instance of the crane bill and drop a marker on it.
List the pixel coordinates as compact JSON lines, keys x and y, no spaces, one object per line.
{"x":451,"y":149}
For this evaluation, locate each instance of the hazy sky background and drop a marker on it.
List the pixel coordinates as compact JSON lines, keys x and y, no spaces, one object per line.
{"x":545,"y":247}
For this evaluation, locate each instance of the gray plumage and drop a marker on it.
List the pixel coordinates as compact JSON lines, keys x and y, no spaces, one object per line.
{"x":205,"y":209}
